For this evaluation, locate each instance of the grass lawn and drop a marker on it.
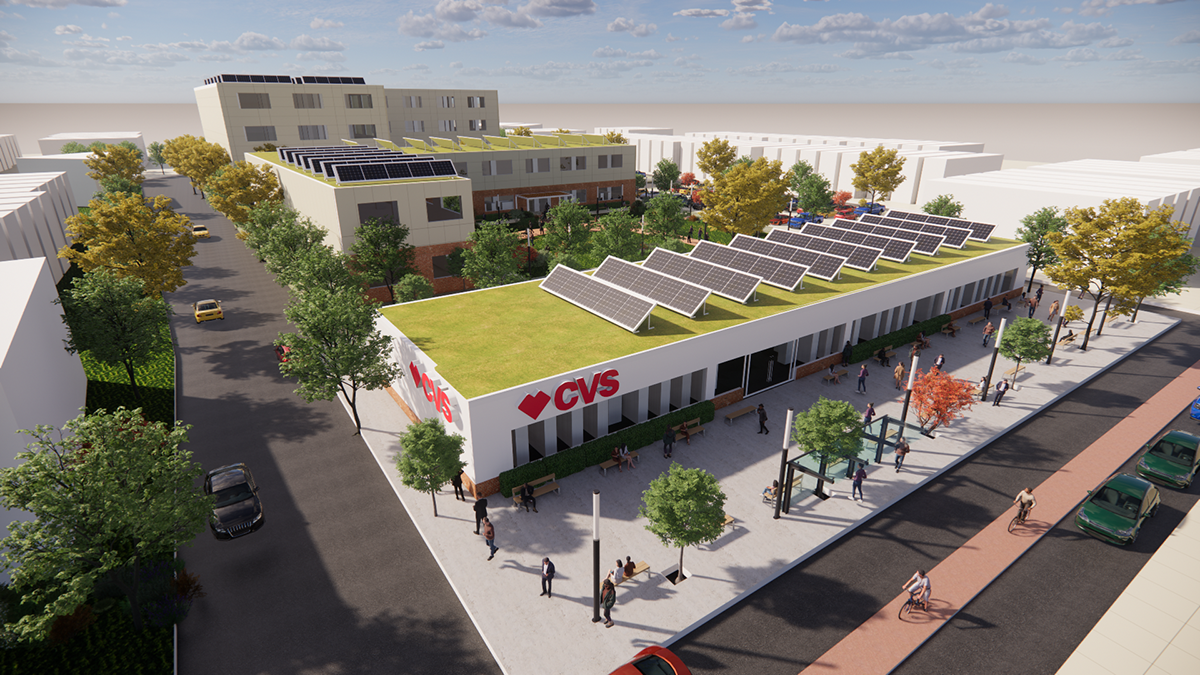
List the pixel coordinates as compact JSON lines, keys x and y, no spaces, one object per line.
{"x":490,"y":340}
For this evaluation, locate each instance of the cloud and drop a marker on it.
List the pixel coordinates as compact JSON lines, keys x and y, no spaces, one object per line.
{"x":316,"y":44}
{"x":558,"y":8}
{"x":318,"y":24}
{"x":457,"y":10}
{"x":778,"y":67}
{"x":429,"y":26}
{"x":672,"y":38}
{"x":214,"y":58}
{"x":426,"y":46}
{"x":861,"y":54}
{"x":416,"y":66}
{"x":124,"y":37}
{"x":1190,"y":37}
{"x":67,"y":30}
{"x":1112,"y":42}
{"x":1146,"y":67}
{"x":1026,"y":59}
{"x":752,"y":6}
{"x":623,"y":25}
{"x":740,"y":21}
{"x":1085,"y":55}
{"x":29,"y":58}
{"x":331,"y":57}
{"x":1102,"y":7}
{"x":499,"y":16}
{"x":6,"y":37}
{"x":754,"y":38}
{"x":610,"y":52}
{"x":250,"y":41}
{"x":703,"y":13}
{"x":60,"y":4}
{"x":113,"y":59}
{"x":553,"y":70}
{"x":901,"y":70}
{"x":456,"y":64}
{"x":691,"y":62}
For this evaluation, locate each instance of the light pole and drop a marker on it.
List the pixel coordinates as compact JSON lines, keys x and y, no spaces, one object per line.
{"x":787,"y":440}
{"x":595,"y":556}
{"x":987,"y":381}
{"x":912,"y":376}
{"x":1058,"y":326}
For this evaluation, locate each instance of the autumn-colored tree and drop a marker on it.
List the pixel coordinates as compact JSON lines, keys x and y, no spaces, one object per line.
{"x":195,"y":158}
{"x":687,"y":178}
{"x":236,"y":188}
{"x":1072,"y":313}
{"x":135,"y":237}
{"x":561,"y":130}
{"x":520,"y":131}
{"x":616,"y":138}
{"x":1033,"y":231}
{"x":938,"y":398}
{"x":715,"y":157}
{"x":115,"y":160}
{"x":745,"y":198}
{"x":841,"y":197}
{"x":878,"y":171}
{"x":1025,"y":340}
{"x":1168,"y":277}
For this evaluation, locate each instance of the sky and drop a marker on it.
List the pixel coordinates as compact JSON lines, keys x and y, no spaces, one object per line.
{"x":624,"y":51}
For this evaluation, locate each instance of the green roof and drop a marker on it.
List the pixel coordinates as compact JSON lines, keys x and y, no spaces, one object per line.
{"x":489,"y":340}
{"x":273,"y":158}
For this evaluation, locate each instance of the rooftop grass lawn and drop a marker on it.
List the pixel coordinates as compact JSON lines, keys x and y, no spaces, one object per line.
{"x":489,"y":340}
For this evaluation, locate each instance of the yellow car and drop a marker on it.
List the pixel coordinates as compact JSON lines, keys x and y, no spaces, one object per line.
{"x":207,"y":310}
{"x":200,"y":232}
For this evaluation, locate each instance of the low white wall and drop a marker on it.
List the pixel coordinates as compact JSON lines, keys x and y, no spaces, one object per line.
{"x":52,"y":145}
{"x":9,"y":152}
{"x":82,"y":187}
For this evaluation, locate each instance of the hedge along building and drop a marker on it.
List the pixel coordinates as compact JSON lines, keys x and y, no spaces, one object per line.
{"x":522,"y":374}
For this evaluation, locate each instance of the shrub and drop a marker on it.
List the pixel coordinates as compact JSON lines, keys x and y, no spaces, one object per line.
{"x":66,"y":627}
{"x":865,"y":350}
{"x":110,"y":645}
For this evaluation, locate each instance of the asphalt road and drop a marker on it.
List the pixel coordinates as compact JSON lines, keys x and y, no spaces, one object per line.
{"x":338,"y":580}
{"x":1032,"y":617}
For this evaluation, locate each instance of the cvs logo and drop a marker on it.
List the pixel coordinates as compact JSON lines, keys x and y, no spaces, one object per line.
{"x":570,"y":393}
{"x":433,"y":393}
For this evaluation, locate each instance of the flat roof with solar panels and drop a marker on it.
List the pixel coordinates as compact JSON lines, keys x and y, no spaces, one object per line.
{"x":895,"y":250}
{"x":925,"y":244}
{"x":357,"y":165}
{"x":725,"y":282}
{"x":781,"y":273}
{"x":954,"y":237}
{"x":979,"y":231}
{"x":820,"y":265}
{"x":665,"y":290}
{"x":604,"y":300}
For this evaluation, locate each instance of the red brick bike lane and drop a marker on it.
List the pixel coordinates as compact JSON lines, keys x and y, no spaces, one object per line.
{"x":884,"y":641}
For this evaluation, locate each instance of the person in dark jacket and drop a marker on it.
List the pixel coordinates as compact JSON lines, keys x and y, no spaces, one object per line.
{"x":847,"y":354}
{"x":458,"y":486}
{"x":547,"y":576}
{"x":762,"y":419}
{"x":668,"y":442}
{"x":480,"y":512}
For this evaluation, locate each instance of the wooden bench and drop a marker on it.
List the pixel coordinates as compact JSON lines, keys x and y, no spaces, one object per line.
{"x":951,"y":330}
{"x":541,"y":486}
{"x":1014,"y":370}
{"x":1067,"y":339}
{"x":608,"y":464}
{"x":1111,"y":318}
{"x":688,"y":429}
{"x":975,"y":320}
{"x":730,"y":417}
{"x":888,"y":353}
{"x":830,"y":377}
{"x":642,"y":566}
{"x":728,"y":520}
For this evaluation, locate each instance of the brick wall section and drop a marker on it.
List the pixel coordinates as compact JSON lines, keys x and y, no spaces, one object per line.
{"x":978,"y":307}
{"x":729,"y":398}
{"x":423,"y":257}
{"x":484,"y":489}
{"x":628,"y":189}
{"x":818,"y":366}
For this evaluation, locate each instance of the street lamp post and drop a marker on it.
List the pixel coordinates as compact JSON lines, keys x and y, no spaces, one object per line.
{"x":912,"y":376}
{"x":1058,"y":326}
{"x":787,"y":439}
{"x":987,"y":381}
{"x":595,"y":556}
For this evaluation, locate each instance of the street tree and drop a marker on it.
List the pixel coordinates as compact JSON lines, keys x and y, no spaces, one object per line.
{"x":288,"y":239}
{"x":745,"y":198}
{"x":616,"y":138}
{"x":664,"y":221}
{"x":715,"y":157}
{"x":567,"y":228}
{"x":382,"y":252}
{"x":1072,"y":313}
{"x":813,"y":192}
{"x":1025,"y":340}
{"x":666,"y":173}
{"x":115,"y":160}
{"x":878,"y":172}
{"x":156,"y":156}
{"x":429,"y":457}
{"x":337,"y":348}
{"x":832,"y":430}
{"x":639,"y":181}
{"x":319,"y":267}
{"x":687,"y":178}
{"x":1172,"y":276}
{"x":236,"y":188}
{"x":108,"y":493}
{"x":133,"y":236}
{"x":115,"y":322}
{"x":943,"y":205}
{"x":618,"y":236}
{"x":938,"y":398}
{"x":492,"y":259}
{"x":1034,"y":231}
{"x":195,"y":158}
{"x":412,"y":287}
{"x":112,"y":184}
{"x":684,"y":507}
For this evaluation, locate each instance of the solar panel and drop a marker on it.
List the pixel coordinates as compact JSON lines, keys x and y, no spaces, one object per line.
{"x":979,"y":231}
{"x":872,"y":218}
{"x":857,"y":257}
{"x":956,"y":237}
{"x":672,"y":293}
{"x":896,"y":250}
{"x":607,"y":302}
{"x":727,"y":283}
{"x":820,"y":265}
{"x":785,"y":275}
{"x":925,"y":244}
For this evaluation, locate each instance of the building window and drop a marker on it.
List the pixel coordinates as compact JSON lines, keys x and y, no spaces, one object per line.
{"x":609,"y":194}
{"x":254,"y":101}
{"x":443,"y":208}
{"x":729,"y":375}
{"x":475,"y":102}
{"x":306,"y":100}
{"x":498,"y":203}
{"x":441,"y":267}
{"x":448,"y":125}
{"x":580,"y":163}
{"x":362,"y":131}
{"x":445,"y":101}
{"x":412,"y":101}
{"x":616,"y":161}
{"x":564,"y":163}
{"x":460,"y":168}
{"x":537,"y":165}
{"x":580,"y":196}
{"x":358,"y":101}
{"x":609,"y":161}
{"x":572,"y":163}
{"x":389,"y":211}
{"x":601,"y":161}
{"x":260,"y":134}
{"x":477,"y":125}
{"x":499,"y":167}
{"x":417,"y":126}
{"x":312,"y":132}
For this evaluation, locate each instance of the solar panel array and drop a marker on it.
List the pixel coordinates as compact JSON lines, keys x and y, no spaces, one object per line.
{"x":925,"y":244}
{"x":348,"y":164}
{"x":364,"y":173}
{"x":785,"y":275}
{"x":727,"y":283}
{"x":979,"y":231}
{"x":956,"y":237}
{"x":607,"y":302}
{"x":857,"y":257}
{"x":820,"y":265}
{"x":896,"y":250}
{"x":672,"y":293}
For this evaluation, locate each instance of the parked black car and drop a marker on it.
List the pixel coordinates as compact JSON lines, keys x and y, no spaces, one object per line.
{"x":237,"y":510}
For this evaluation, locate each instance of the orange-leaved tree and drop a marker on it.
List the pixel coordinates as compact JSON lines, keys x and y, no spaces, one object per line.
{"x":688,"y":178}
{"x":938,"y":398}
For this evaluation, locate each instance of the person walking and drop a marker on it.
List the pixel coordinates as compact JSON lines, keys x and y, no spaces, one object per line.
{"x":456,"y":481}
{"x":902,"y":450}
{"x":1033,"y":303}
{"x":1041,"y":289}
{"x":668,"y":442}
{"x":480,"y":512}
{"x":859,"y":477}
{"x":762,"y":420}
{"x":847,"y":354}
{"x":940,"y":363}
{"x":898,"y":374}
{"x":608,"y":598}
{"x":869,"y":414}
{"x":987,"y":309}
{"x":1001,"y":388}
{"x":862,"y":379}
{"x":489,"y":536}
{"x":988,"y":331}
{"x":547,"y":576}
{"x":1053,"y":311}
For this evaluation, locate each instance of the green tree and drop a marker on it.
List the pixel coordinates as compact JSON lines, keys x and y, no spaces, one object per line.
{"x":108,"y":492}
{"x":615,"y":138}
{"x":1025,"y":340}
{"x":412,"y":287}
{"x":113,"y":319}
{"x":567,"y":228}
{"x":234,"y":189}
{"x":319,"y":267}
{"x":133,"y":236}
{"x":684,"y":507}
{"x":430,"y":457}
{"x":456,"y":264}
{"x":715,"y":157}
{"x":878,"y":171}
{"x":832,"y":430}
{"x":156,"y":156}
{"x":492,"y":259}
{"x":745,"y":198}
{"x":943,"y":205}
{"x":116,"y":160}
{"x":813,"y":192}
{"x":639,"y":181}
{"x":338,"y":349}
{"x":131,"y":146}
{"x":665,"y":174}
{"x":97,"y":146}
{"x":1034,"y":231}
{"x":1172,"y":275}
{"x":381,"y":250}
{"x":664,"y":220}
{"x":288,"y":239}
{"x":72,"y":148}
{"x":617,"y":236}
{"x":113,"y":184}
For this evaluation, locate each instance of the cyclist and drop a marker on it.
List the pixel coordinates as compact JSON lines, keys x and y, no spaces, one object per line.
{"x":919,"y":584}
{"x":1026,"y":501}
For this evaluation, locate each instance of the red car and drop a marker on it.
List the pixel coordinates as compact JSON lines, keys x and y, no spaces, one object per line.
{"x":780,"y":219}
{"x":281,"y":352}
{"x":653,"y":660}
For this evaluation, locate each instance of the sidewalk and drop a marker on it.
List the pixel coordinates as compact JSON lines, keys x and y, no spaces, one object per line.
{"x":502,"y":597}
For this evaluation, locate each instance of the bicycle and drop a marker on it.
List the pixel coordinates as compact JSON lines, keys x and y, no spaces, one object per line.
{"x":1019,"y":519}
{"x":912,"y":602}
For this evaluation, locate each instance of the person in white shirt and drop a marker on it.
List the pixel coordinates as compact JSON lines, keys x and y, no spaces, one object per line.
{"x":919,"y":584}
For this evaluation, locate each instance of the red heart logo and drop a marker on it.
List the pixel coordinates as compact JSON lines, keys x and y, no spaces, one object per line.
{"x":534,"y":405}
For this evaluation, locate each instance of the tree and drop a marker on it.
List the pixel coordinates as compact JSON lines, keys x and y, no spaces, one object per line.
{"x":665,"y":174}
{"x":813,"y":192}
{"x":492,"y":261}
{"x":115,"y":160}
{"x":265,"y":147}
{"x":639,"y":181}
{"x":840,"y":198}
{"x":745,"y":198}
{"x":195,"y":158}
{"x":715,"y":157}
{"x":319,"y":267}
{"x":113,"y":184}
{"x":1034,"y":231}
{"x":456,"y":263}
{"x":72,"y":148}
{"x":939,"y":398}
{"x":688,"y":178}
{"x":878,"y":171}
{"x":616,"y":138}
{"x":1025,"y":340}
{"x":567,"y":228}
{"x":617,"y":236}
{"x":943,"y":205}
{"x":1172,"y":275}
{"x":113,"y":319}
{"x":520,"y":131}
{"x":108,"y":492}
{"x":338,"y":349}
{"x":156,"y":156}
{"x":381,"y":250}
{"x":133,"y":237}
{"x":236,"y":188}
{"x":832,"y":430}
{"x":285,"y":240}
{"x":664,"y":220}
{"x":412,"y":287}
{"x":430,"y":457}
{"x":685,"y":507}
{"x":131,"y":146}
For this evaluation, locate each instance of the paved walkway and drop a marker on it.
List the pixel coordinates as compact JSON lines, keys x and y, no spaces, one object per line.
{"x":883,"y":641}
